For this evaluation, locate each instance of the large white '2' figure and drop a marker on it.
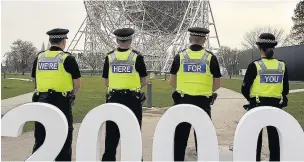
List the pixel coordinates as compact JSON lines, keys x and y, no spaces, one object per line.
{"x":290,"y":132}
{"x":54,"y":121}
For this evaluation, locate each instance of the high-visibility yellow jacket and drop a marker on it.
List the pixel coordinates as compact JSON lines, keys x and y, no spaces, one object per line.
{"x":50,"y":72}
{"x":122,"y":72}
{"x":269,"y":79}
{"x":194,"y":76}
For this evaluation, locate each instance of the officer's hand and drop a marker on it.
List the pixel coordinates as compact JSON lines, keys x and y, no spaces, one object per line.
{"x":142,"y":98}
{"x":107,"y":97}
{"x":246,"y":107}
{"x":213,"y":98}
{"x":35,"y":98}
{"x":72,"y":99}
{"x":252,"y":101}
{"x":285,"y":101}
{"x":176,"y":97}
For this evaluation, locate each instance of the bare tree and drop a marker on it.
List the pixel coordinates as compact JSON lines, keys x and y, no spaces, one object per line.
{"x":298,"y":23}
{"x":229,"y":59}
{"x":21,"y":56}
{"x":11,"y":62}
{"x":251,"y":37}
{"x":289,"y":40}
{"x":92,"y":60}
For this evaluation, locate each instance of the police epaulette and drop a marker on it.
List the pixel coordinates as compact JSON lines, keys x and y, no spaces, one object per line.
{"x":182,"y":50}
{"x":110,"y":52}
{"x":209,"y":52}
{"x":68,"y":53}
{"x":39,"y":53}
{"x":135,"y":51}
{"x":256,"y":60}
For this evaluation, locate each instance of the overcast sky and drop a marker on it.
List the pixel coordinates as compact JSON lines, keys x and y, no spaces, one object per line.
{"x":29,"y":20}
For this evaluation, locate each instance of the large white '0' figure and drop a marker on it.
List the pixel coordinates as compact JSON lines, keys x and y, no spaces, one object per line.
{"x":88,"y":141}
{"x":290,"y":133}
{"x":54,"y":121}
{"x":163,"y":143}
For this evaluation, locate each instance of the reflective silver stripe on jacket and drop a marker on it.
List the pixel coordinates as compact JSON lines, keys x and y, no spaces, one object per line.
{"x":203,"y":60}
{"x":265,"y":71}
{"x":129,"y":61}
{"x":48,"y":59}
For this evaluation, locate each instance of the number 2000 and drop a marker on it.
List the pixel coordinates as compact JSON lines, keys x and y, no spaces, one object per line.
{"x":88,"y":142}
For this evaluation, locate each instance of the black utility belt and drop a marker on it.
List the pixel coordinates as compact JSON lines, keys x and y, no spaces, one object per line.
{"x":187,"y":95}
{"x":123,"y":91}
{"x":53,"y":92}
{"x":266,"y":99}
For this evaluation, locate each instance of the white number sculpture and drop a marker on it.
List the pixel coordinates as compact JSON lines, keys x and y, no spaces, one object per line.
{"x":164,"y":134}
{"x":88,"y":142}
{"x":290,"y":133}
{"x":54,"y":121}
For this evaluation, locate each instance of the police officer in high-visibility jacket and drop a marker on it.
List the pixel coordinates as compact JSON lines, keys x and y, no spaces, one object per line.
{"x":125,"y":74}
{"x":266,"y":84}
{"x":195,"y":75}
{"x":57,"y":79}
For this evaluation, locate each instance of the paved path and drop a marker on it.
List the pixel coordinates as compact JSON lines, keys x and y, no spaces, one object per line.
{"x":226,"y":112}
{"x":10,"y":103}
{"x":19,"y":79}
{"x":296,"y":90}
{"x":296,"y":82}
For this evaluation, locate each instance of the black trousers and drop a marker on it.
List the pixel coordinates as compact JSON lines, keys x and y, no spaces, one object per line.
{"x":63,"y":104}
{"x":273,"y":136}
{"x":112,"y":132}
{"x":273,"y":142}
{"x":182,"y":131}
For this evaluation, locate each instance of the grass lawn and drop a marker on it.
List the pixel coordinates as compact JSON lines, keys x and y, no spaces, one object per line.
{"x":11,"y":88}
{"x":233,"y":84}
{"x":296,"y":86}
{"x":296,"y":106}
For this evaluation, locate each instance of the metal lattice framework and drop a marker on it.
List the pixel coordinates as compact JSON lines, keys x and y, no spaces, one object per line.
{"x":160,"y":28}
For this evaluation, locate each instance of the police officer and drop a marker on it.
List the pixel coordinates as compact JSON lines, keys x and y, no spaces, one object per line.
{"x":266,"y":84}
{"x":125,"y":74}
{"x":195,"y":75}
{"x":57,"y":79}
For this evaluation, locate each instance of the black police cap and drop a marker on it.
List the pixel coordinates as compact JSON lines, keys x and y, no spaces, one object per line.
{"x":124,"y":33}
{"x":267,"y":40}
{"x":58,"y":33}
{"x":197,"y":31}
